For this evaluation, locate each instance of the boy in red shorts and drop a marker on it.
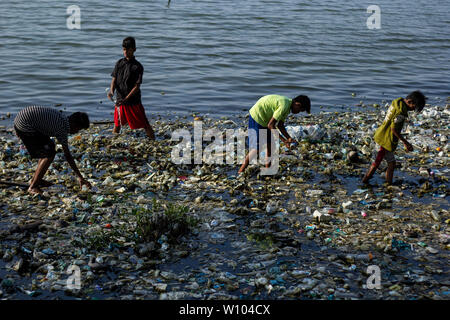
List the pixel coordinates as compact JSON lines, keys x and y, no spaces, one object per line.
{"x":126,"y":82}
{"x":389,"y":133}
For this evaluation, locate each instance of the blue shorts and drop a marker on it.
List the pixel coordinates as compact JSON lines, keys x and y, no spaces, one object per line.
{"x":253,"y":134}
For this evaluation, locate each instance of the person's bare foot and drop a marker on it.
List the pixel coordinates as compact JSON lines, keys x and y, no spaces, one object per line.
{"x":366,"y":179}
{"x":34,"y":191}
{"x":44,"y":183}
{"x":150,"y":133}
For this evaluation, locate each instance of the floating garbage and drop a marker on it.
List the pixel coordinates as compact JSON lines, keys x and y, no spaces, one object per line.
{"x":314,"y":193}
{"x":271,"y":207}
{"x":153,"y":229}
{"x":352,"y":156}
{"x":347,"y":204}
{"x":48,"y":251}
{"x":311,"y":132}
{"x":399,"y":244}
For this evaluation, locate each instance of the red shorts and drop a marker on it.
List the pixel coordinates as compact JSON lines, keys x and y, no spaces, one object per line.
{"x":133,"y":115}
{"x":383,"y":154}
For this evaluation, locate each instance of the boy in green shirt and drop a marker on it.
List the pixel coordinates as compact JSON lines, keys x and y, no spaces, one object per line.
{"x":388,"y":134}
{"x":270,"y":112}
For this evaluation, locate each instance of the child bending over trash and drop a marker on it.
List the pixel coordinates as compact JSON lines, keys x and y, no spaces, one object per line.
{"x":34,"y":126}
{"x":270,"y":112}
{"x":388,"y":134}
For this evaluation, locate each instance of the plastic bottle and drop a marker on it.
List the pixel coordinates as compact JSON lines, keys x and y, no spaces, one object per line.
{"x":113,"y":97}
{"x":359,"y":257}
{"x":50,"y":274}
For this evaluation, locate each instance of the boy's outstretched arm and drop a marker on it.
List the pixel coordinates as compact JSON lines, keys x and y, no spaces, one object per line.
{"x":272,"y":126}
{"x":74,"y":167}
{"x":285,"y":137}
{"x":284,"y":132}
{"x":408,"y":145}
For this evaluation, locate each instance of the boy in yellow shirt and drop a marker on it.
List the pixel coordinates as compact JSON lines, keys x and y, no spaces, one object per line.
{"x":388,"y":134}
{"x":270,"y":112}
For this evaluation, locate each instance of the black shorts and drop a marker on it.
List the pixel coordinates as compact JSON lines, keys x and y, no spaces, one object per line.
{"x":38,"y":145}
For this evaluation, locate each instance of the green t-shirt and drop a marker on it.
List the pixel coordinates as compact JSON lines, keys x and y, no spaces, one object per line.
{"x":271,"y":106}
{"x":395,"y":118}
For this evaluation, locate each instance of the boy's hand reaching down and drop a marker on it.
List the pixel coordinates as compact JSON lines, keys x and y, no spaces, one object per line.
{"x":408,"y":146}
{"x":84,"y":182}
{"x":290,"y":143}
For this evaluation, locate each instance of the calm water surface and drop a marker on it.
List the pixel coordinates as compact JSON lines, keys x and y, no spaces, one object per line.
{"x":219,"y":57}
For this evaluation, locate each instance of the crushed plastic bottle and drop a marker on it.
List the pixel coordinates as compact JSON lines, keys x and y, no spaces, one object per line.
{"x":50,"y":274}
{"x":217,"y":235}
{"x":399,"y":244}
{"x":114,"y":99}
{"x":312,"y":132}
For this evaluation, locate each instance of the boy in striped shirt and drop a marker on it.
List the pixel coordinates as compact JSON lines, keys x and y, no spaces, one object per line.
{"x":34,"y":126}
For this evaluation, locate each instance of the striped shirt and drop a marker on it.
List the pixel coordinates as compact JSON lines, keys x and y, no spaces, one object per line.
{"x":47,"y":121}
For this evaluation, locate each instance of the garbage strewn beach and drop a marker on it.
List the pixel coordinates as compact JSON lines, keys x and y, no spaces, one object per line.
{"x":150,"y":229}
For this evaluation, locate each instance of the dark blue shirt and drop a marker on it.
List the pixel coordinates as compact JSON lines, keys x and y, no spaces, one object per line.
{"x":128,"y":73}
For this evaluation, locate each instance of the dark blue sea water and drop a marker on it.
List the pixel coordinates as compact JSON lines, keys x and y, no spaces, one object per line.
{"x":218,"y":57}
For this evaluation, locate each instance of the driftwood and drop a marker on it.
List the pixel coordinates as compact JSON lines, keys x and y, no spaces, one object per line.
{"x":15,"y":184}
{"x":31,"y":226}
{"x":102,"y":122}
{"x":17,"y":228}
{"x":95,"y":123}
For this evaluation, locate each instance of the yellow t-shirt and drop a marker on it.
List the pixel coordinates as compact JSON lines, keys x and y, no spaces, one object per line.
{"x":271,"y":106}
{"x":395,"y":118}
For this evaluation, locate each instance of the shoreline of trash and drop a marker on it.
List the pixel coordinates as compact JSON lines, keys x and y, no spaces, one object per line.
{"x":151,"y":229}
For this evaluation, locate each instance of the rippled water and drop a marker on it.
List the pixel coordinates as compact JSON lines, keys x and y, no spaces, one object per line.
{"x":220,"y":56}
